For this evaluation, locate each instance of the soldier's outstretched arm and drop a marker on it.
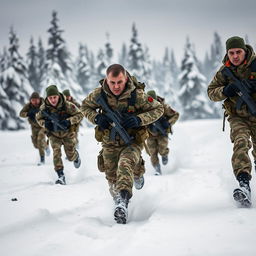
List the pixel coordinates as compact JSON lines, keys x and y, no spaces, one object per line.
{"x":24,"y":111}
{"x":89,"y":105}
{"x":171,"y":114}
{"x":75,"y":113}
{"x":151,"y":109}
{"x":215,"y":88}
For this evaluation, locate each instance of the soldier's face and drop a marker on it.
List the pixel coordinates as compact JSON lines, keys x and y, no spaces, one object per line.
{"x":116,"y":84}
{"x":68,"y":98}
{"x":35,"y":102}
{"x":236,"y":56}
{"x":54,"y":99}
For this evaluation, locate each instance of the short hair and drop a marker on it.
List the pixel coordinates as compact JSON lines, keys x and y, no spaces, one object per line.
{"x":116,"y":69}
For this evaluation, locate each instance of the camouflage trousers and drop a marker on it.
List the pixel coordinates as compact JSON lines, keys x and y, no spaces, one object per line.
{"x":157,"y":145}
{"x":121,"y":165}
{"x":38,"y":138}
{"x":243,"y":137}
{"x":69,"y":143}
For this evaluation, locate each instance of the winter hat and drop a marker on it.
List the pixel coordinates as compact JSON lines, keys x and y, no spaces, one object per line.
{"x":52,"y":90}
{"x":66,"y":92}
{"x":35,"y":95}
{"x":235,"y":42}
{"x":152,"y":93}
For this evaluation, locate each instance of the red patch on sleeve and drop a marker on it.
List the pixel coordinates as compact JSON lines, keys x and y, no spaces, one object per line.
{"x":150,"y":99}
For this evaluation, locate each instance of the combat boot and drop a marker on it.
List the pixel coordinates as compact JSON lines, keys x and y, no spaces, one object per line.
{"x":139,"y":182}
{"x":61,"y":177}
{"x":77,"y":161}
{"x":165,"y":159}
{"x":242,"y":195}
{"x":157,"y":168}
{"x":42,"y":161}
{"x":121,"y":209}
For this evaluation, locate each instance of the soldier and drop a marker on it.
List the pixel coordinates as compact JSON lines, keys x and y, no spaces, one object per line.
{"x":158,"y":134}
{"x":72,"y":100}
{"x":38,"y":133}
{"x":120,"y":157}
{"x":239,"y":63}
{"x":59,"y":117}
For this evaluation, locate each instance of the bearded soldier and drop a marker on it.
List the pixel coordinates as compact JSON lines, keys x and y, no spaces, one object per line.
{"x":59,"y":118}
{"x":121,"y":111}
{"x":235,"y":84}
{"x":38,"y":133}
{"x":158,"y":134}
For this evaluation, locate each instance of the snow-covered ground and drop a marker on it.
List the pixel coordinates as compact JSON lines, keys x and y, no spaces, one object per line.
{"x":187,"y":211}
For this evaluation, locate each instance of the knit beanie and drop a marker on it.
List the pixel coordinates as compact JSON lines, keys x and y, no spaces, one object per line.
{"x":152,"y":93}
{"x":235,"y":42}
{"x":35,"y":95}
{"x":52,"y":90}
{"x":66,"y":93}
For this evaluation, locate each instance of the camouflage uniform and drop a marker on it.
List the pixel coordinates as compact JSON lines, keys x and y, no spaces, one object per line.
{"x":242,"y":123}
{"x":122,"y":163}
{"x":38,"y":133}
{"x":158,"y":143}
{"x":65,"y":110}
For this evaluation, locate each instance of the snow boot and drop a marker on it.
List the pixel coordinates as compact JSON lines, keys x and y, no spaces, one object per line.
{"x":242,"y":195}
{"x":165,"y":160}
{"x":61,"y":177}
{"x":121,"y":209}
{"x":42,"y":161}
{"x":139,"y":182}
{"x":157,"y":168}
{"x":77,"y":162}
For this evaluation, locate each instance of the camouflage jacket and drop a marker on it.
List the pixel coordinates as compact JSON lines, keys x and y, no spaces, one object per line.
{"x":74,"y":102}
{"x":243,"y":71}
{"x":64,"y":108}
{"x":170,"y":114}
{"x":145,"y":107}
{"x":27,"y":108}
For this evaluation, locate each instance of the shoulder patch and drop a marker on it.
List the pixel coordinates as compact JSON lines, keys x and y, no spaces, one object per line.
{"x":150,"y":99}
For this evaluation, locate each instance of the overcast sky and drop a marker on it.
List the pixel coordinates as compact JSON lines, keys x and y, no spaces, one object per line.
{"x":160,"y":23}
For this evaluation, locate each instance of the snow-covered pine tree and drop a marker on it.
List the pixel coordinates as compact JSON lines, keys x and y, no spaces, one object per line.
{"x":59,"y":66}
{"x":167,"y":91}
{"x":41,"y":55}
{"x":32,"y":63}
{"x":83,"y":72}
{"x":174,"y":70}
{"x":136,"y":56}
{"x":14,"y":85}
{"x":100,"y":65}
{"x":108,"y":51}
{"x":123,"y":56}
{"x":193,"y":90}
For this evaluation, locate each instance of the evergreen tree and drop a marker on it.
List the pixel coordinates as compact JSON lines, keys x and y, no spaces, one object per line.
{"x":41,"y":68}
{"x":59,"y":66}
{"x":108,"y":51}
{"x":135,"y":56}
{"x":192,"y":93}
{"x":100,"y":65}
{"x":83,"y":68}
{"x":174,"y":70}
{"x":32,"y":62}
{"x":14,"y":86}
{"x":123,"y":56}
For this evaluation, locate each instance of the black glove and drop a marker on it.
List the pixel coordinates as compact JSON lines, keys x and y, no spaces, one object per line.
{"x":131,"y":122}
{"x":66,"y":124}
{"x":32,"y":113}
{"x":48,"y":125}
{"x":102,"y":121}
{"x":165,"y":124}
{"x":230,"y":90}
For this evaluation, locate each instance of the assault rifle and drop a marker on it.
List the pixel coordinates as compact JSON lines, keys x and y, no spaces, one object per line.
{"x":116,"y":119}
{"x":159,"y":128}
{"x":243,"y":89}
{"x":53,"y":117}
